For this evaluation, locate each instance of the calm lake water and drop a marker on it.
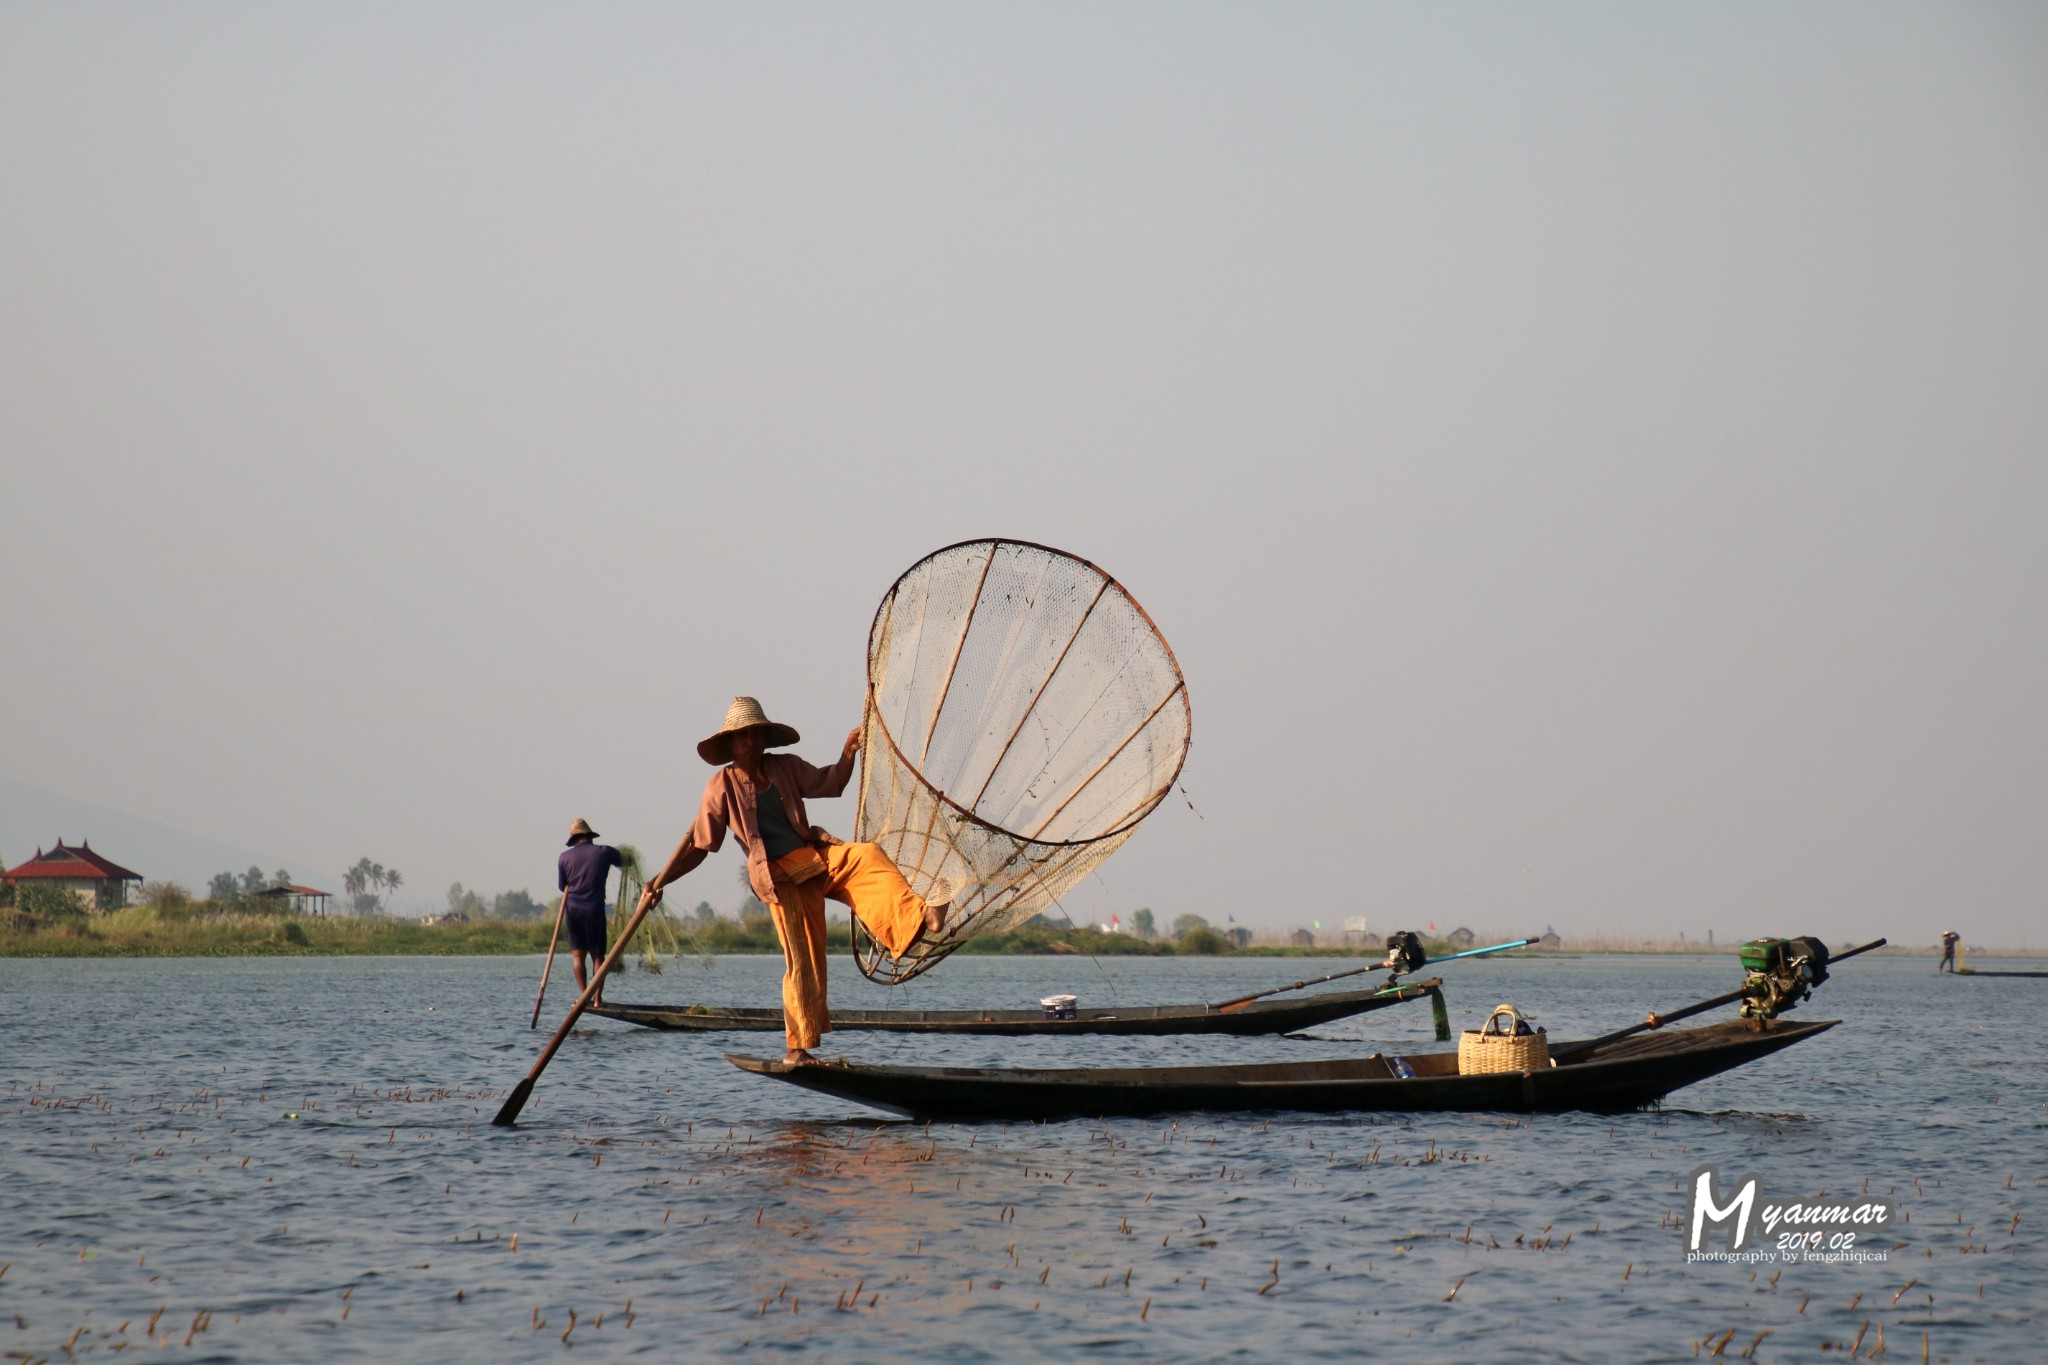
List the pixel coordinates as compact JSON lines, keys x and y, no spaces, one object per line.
{"x":259,"y":1160}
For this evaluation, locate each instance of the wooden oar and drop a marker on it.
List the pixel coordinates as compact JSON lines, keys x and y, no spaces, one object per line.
{"x":561,"y":913}
{"x":1660,"y":1020}
{"x":1231,"y":1006}
{"x":508,"y":1114}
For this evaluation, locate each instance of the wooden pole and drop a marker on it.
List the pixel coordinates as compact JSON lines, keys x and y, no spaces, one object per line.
{"x":508,"y":1114}
{"x":561,"y":913}
{"x":1230,"y":1006}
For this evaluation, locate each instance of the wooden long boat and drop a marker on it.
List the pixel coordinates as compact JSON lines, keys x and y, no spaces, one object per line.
{"x":1601,"y":1076}
{"x":1256,"y":1017}
{"x":1979,"y":971}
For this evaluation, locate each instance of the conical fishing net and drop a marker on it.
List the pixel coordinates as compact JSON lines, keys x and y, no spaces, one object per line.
{"x":1023,"y":715}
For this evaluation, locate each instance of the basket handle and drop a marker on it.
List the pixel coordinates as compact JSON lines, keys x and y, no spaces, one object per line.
{"x":1498,"y":1010}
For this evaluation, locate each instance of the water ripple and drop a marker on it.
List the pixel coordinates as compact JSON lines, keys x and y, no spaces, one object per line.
{"x":260,"y":1160}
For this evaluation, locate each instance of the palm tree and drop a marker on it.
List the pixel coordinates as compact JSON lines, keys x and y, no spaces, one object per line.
{"x":361,"y":883}
{"x":392,"y":880}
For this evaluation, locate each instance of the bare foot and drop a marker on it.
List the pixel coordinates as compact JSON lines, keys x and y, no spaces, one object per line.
{"x":940,"y":903}
{"x":796,"y":1056}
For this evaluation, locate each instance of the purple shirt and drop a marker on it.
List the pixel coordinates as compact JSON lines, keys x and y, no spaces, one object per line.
{"x":581,"y":870}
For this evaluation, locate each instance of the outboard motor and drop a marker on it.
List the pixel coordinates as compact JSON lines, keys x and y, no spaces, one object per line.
{"x":1782,"y":973}
{"x":1404,"y":953}
{"x":1809,"y":956}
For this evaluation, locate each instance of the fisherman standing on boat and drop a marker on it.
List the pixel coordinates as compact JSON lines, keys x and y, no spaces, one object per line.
{"x":1949,"y":940}
{"x":792,"y":865}
{"x":580,"y":874}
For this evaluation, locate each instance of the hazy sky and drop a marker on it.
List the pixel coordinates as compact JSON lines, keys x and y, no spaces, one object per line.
{"x":1589,"y":459}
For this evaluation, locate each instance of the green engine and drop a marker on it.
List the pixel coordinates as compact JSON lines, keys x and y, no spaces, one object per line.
{"x":1782,"y":973}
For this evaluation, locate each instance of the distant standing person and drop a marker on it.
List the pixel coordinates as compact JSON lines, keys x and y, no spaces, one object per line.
{"x":580,"y":874}
{"x":1949,"y":941}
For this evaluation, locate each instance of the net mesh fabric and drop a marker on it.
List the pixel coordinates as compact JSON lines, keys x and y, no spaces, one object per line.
{"x":1024,"y":715}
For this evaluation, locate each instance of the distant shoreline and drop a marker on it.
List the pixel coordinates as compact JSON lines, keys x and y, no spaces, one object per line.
{"x":140,"y":933}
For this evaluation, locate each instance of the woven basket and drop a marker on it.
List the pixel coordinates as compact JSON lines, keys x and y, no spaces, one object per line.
{"x":1489,"y":1048}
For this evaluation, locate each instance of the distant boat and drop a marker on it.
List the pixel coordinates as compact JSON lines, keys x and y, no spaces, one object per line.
{"x":1255,"y":1017}
{"x":1603,"y":1076}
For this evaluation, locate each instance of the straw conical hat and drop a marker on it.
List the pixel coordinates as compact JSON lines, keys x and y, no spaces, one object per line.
{"x":744,"y":714}
{"x":580,"y":830}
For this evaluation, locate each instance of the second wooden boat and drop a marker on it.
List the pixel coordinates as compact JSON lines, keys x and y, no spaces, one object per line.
{"x":1602,"y":1075}
{"x":1254,"y":1017}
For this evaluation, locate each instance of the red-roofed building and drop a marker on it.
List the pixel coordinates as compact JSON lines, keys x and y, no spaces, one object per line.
{"x":100,"y":882}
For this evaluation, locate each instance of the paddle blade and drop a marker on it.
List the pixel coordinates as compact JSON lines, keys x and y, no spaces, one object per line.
{"x":508,"y":1113}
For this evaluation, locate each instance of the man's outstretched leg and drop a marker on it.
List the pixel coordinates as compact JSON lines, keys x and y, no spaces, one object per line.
{"x":865,"y":880}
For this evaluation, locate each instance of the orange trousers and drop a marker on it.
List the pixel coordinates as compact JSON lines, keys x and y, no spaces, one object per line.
{"x":858,"y":876}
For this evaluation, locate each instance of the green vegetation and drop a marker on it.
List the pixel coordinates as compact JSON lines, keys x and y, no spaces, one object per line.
{"x":168,"y":923}
{"x":516,"y":905}
{"x":40,"y":900}
{"x":520,"y":905}
{"x":148,"y":930}
{"x":230,"y":891}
